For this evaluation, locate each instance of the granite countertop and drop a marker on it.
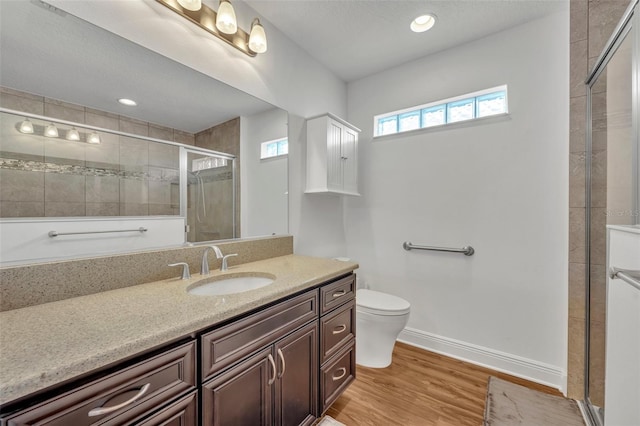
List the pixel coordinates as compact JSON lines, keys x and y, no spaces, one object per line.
{"x":43,"y":345}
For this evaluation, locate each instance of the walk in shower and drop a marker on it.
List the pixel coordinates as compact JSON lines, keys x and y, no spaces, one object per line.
{"x":612,"y":189}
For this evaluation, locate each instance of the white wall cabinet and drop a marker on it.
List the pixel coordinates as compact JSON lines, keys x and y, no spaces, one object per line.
{"x":332,"y":156}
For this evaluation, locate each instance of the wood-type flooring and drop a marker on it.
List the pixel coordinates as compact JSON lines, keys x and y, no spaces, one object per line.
{"x":420,"y":388}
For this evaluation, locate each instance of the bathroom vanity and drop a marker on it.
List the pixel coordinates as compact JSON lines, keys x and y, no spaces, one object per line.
{"x":154,"y":354}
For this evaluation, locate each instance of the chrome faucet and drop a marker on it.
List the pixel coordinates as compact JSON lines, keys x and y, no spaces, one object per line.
{"x":204,"y":269}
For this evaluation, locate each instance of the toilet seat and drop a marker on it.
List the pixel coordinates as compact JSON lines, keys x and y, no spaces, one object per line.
{"x":377,"y":303}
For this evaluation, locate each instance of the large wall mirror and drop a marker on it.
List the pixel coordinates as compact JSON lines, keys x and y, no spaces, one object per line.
{"x":57,"y":65}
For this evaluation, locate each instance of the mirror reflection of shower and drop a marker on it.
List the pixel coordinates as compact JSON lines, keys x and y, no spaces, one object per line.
{"x":210,"y":197}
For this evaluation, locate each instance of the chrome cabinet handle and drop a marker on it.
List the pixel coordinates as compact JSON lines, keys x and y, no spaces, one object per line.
{"x":106,"y":410}
{"x":342,"y":374}
{"x":273,"y":365}
{"x":339,"y":329}
{"x":284,"y":365}
{"x":339,"y":293}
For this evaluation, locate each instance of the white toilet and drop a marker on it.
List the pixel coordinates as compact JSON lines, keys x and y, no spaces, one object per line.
{"x":380,"y":317}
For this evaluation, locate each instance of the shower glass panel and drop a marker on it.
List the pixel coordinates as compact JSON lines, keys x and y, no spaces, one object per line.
{"x":611,"y":196}
{"x":210,"y":189}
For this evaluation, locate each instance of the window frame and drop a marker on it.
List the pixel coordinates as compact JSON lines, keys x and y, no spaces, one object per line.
{"x":443,"y":104}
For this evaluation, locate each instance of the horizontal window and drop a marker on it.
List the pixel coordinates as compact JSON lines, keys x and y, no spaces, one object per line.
{"x":461,"y":108}
{"x":274,"y":148}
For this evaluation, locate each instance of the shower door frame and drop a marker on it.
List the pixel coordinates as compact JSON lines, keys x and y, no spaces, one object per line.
{"x":629,"y":25}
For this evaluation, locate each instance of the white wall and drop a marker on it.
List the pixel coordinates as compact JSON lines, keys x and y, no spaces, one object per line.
{"x":500,"y":185}
{"x":264,"y":182}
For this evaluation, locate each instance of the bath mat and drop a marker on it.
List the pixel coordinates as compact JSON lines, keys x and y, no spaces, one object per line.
{"x":509,"y":404}
{"x":330,"y":421}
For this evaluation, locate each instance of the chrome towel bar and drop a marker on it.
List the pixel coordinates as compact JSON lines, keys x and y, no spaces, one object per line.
{"x":626,"y":275}
{"x":466,"y":250}
{"x":56,"y":233}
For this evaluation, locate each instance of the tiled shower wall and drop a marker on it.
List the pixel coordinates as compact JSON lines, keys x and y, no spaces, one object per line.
{"x":592,"y":23}
{"x":120,"y":177}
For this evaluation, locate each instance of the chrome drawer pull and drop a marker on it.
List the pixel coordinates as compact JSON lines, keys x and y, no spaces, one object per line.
{"x":339,"y":293}
{"x":339,"y":329}
{"x":273,"y":365}
{"x":344,"y":372}
{"x":284,"y":365}
{"x":106,"y":410}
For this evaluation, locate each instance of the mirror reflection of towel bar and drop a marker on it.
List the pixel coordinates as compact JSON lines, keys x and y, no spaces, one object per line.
{"x":626,"y":275}
{"x":466,"y":250}
{"x":56,"y":233}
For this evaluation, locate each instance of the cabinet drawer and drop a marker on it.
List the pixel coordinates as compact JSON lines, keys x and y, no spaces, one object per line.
{"x":144,"y":386}
{"x":228,"y":344}
{"x":337,"y":375}
{"x":183,"y":412}
{"x":334,"y":295}
{"x":337,"y":328}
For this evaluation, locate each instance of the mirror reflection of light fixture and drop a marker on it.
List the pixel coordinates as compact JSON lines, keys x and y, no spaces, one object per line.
{"x":93,"y":138}
{"x":226,"y":19}
{"x":257,"y":38}
{"x":222,"y":24}
{"x":73,"y":135}
{"x":26,"y":126}
{"x":193,"y":5}
{"x":51,"y":131}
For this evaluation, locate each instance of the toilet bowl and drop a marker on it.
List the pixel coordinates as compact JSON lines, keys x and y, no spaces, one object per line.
{"x":380,"y":317}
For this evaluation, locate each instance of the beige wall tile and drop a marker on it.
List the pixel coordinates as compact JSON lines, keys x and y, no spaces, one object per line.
{"x":579,"y":10}
{"x":102,"y":189}
{"x":164,"y":155}
{"x":577,"y":235}
{"x":21,"y":209}
{"x":578,"y":124}
{"x":133,"y":191}
{"x":15,"y":92}
{"x":184,"y":137}
{"x":103,"y":209}
{"x":63,"y":111}
{"x":577,"y":283}
{"x":599,"y":179}
{"x":161,"y":210}
{"x":160,"y":192}
{"x":134,"y":154}
{"x":19,"y":103}
{"x":578,"y":68}
{"x":64,"y":187}
{"x":575,"y":362}
{"x":64,"y":152}
{"x":105,"y":155}
{"x":598,"y":236}
{"x":64,"y":209}
{"x":159,"y":132}
{"x":577,"y":179}
{"x":604,"y":15}
{"x":134,"y":209}
{"x":102,"y":119}
{"x":136,"y":127}
{"x":19,"y":185}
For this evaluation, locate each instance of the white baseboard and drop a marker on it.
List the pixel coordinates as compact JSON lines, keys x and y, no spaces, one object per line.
{"x":525,"y":368}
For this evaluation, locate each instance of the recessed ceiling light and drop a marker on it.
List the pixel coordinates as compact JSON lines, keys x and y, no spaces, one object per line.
{"x":423,"y":23}
{"x":127,"y":102}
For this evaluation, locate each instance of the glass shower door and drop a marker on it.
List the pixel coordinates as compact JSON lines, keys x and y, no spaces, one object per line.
{"x":210,"y":196}
{"x":611,"y":195}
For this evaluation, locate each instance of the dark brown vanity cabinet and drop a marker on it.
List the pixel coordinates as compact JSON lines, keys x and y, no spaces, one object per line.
{"x":278,"y":385}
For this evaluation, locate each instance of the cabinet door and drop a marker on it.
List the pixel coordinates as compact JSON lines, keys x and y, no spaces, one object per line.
{"x":242,"y":395}
{"x":349,"y":158}
{"x":334,"y":155}
{"x":296,"y":389}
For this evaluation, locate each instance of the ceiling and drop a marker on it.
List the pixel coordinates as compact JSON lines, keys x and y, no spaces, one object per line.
{"x":356,"y":38}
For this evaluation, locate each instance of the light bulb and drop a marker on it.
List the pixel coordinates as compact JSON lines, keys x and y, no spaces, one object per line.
{"x":73,"y":135}
{"x":26,"y":126}
{"x":192,"y":5}
{"x":257,"y":38}
{"x":226,"y":19}
{"x":93,"y":138}
{"x":51,"y":131}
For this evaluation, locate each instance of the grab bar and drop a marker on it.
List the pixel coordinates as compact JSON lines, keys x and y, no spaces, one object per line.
{"x":466,"y":250}
{"x":626,"y":275}
{"x":56,"y":233}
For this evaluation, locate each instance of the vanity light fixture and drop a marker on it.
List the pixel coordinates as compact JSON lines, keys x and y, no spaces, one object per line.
{"x":26,"y":126}
{"x":257,"y":38}
{"x":93,"y":138}
{"x":222,"y":24}
{"x":127,"y":102}
{"x":73,"y":135}
{"x":423,"y":23}
{"x":226,"y":18}
{"x":51,"y":131}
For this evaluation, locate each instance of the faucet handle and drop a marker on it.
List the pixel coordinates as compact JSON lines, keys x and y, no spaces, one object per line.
{"x":224,"y":266}
{"x":185,"y":269}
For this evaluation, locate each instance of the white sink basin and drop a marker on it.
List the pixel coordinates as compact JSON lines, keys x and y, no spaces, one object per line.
{"x":217,"y":286}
